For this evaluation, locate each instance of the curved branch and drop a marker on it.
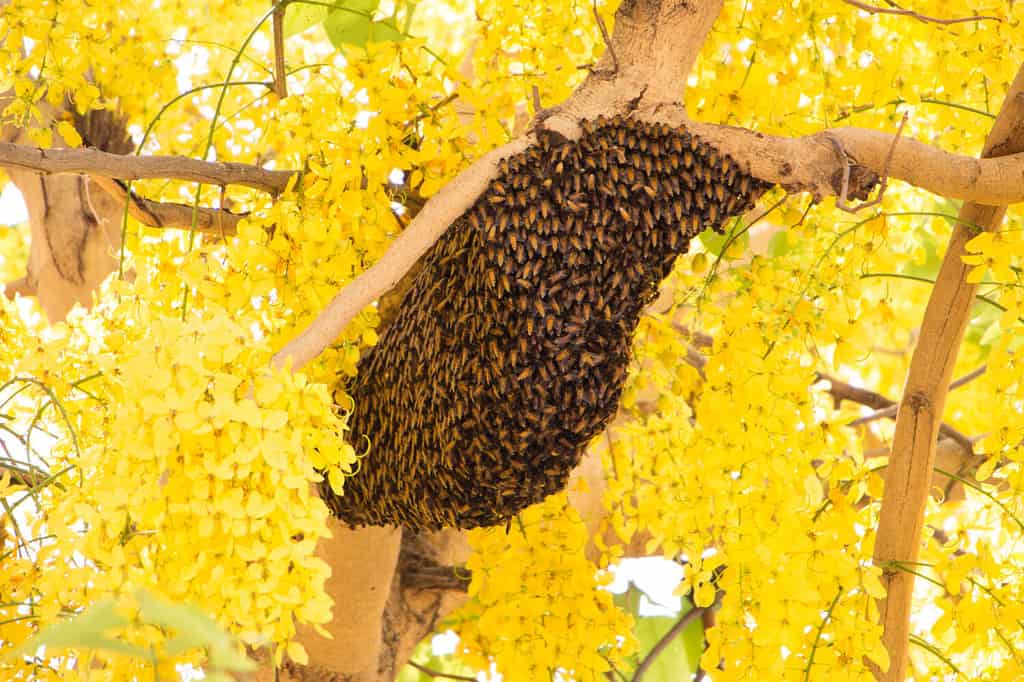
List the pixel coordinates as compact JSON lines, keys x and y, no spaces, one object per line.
{"x":95,"y":162}
{"x":873,"y":9}
{"x":430,"y":223}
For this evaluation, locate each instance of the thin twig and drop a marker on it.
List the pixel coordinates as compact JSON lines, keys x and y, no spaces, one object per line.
{"x":438,"y":674}
{"x":20,"y":476}
{"x":890,"y":408}
{"x":887,"y":409}
{"x":280,"y":85}
{"x":666,"y":639}
{"x":803,"y":217}
{"x":872,"y":9}
{"x":432,"y":109}
{"x":970,"y":376}
{"x":607,"y":39}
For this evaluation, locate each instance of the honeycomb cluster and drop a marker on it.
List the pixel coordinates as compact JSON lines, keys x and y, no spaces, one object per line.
{"x":509,"y":350}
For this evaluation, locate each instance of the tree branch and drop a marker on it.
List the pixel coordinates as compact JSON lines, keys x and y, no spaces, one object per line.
{"x":171,"y":215}
{"x":840,"y":390}
{"x":655,"y":43}
{"x":872,"y":9}
{"x":280,"y":84}
{"x":810,"y":163}
{"x":124,"y":167}
{"x":908,"y":477}
{"x":887,"y":408}
{"x":429,"y":224}
{"x":27,"y":475}
{"x":21,"y":286}
{"x":437,"y":674}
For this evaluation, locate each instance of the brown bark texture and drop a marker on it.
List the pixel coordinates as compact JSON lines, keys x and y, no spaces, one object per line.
{"x":909,"y":474}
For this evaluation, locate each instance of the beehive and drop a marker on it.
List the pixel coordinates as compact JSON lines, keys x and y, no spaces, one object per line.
{"x":510,"y":348}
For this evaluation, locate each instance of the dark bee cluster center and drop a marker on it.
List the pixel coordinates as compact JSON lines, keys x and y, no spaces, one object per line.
{"x":509,"y":351}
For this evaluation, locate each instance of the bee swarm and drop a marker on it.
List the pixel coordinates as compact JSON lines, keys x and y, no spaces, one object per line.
{"x":510,"y":349}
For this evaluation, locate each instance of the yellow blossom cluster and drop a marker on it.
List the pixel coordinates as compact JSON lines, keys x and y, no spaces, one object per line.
{"x":540,"y":606}
{"x":14,"y":245}
{"x":184,"y":467}
{"x":155,"y":450}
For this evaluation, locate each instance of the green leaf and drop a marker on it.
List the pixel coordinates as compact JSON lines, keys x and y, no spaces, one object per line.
{"x":195,"y":630}
{"x":714,"y":243}
{"x":779,"y":244}
{"x":679,"y":660}
{"x":385,"y":31}
{"x":990,"y":334}
{"x":299,"y":17}
{"x":983,"y":327}
{"x":351,"y":23}
{"x":87,"y":630}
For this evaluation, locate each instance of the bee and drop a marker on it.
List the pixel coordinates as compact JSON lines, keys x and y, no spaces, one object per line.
{"x":567,"y":243}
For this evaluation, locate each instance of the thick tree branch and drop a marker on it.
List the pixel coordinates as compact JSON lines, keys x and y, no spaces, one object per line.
{"x":810,"y":163}
{"x":908,"y":477}
{"x":125,"y":167}
{"x":430,"y":223}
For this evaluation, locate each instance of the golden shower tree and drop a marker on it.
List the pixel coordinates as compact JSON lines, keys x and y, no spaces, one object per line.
{"x":822,"y":418}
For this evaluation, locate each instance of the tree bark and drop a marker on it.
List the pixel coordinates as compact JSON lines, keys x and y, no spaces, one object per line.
{"x":910,"y":467}
{"x":75,"y":226}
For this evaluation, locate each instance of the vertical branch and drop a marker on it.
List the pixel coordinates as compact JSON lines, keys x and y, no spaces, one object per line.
{"x":280,"y":86}
{"x":908,"y":476}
